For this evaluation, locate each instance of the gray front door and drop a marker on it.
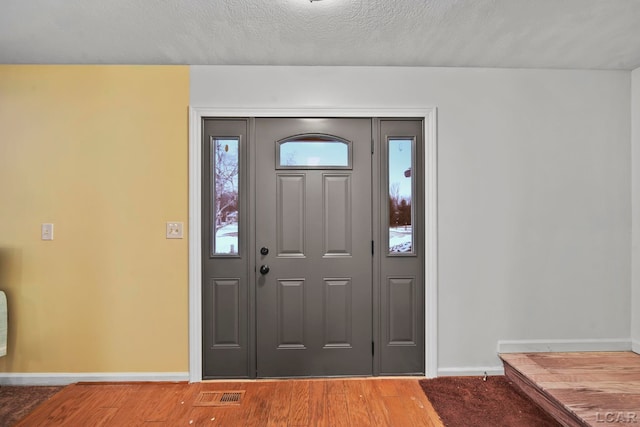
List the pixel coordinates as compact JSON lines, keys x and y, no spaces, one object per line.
{"x":313,"y":242}
{"x":312,"y":247}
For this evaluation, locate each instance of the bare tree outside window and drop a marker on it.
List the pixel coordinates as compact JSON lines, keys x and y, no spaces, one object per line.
{"x":400,"y":196}
{"x":225,"y":197}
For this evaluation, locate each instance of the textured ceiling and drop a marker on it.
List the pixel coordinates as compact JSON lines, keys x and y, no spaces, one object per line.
{"x":587,"y":34}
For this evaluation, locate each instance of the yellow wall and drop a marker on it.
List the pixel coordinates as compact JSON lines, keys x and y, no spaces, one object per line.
{"x":101,"y":152}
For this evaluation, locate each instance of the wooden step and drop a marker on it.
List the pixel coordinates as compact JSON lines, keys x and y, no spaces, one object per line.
{"x":580,"y":388}
{"x":555,"y":408}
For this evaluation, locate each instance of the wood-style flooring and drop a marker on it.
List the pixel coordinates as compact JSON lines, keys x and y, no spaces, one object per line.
{"x":322,"y":402}
{"x":581,"y":389}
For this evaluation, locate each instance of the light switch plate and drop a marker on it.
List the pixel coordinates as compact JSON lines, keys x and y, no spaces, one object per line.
{"x":46,"y":231}
{"x":174,"y":230}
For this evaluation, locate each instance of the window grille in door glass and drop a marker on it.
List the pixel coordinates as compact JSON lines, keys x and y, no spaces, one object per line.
{"x":313,"y":152}
{"x":225,"y":168}
{"x":400,"y":157}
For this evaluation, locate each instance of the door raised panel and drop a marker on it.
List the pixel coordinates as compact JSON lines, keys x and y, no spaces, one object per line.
{"x":226,"y":317}
{"x":290,"y":215}
{"x":401,"y":309}
{"x":337,"y":313}
{"x":337,"y":215}
{"x":291,"y":313}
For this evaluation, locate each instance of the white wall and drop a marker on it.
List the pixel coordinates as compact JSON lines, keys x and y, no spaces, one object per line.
{"x":635,"y":253}
{"x":534,"y":183}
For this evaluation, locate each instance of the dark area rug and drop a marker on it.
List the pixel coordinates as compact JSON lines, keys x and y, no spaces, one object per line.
{"x":16,"y":402}
{"x":472,"y":402}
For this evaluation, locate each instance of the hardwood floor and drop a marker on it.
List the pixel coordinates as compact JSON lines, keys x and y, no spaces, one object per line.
{"x":304,"y":402}
{"x":581,"y":389}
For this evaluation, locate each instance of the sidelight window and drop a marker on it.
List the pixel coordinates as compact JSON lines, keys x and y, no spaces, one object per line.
{"x":313,"y":152}
{"x":225,"y":201}
{"x":400,"y":175}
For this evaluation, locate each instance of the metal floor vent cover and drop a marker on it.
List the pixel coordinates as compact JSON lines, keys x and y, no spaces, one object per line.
{"x":219,"y":398}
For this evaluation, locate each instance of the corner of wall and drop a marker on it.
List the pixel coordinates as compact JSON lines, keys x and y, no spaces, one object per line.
{"x":635,"y":203}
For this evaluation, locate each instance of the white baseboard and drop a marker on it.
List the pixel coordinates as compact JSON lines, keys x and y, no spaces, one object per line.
{"x":55,"y":378}
{"x":470,"y":371}
{"x":635,"y":346}
{"x":544,"y":346}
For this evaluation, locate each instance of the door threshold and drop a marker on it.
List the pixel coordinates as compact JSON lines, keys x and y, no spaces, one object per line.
{"x":348,"y":378}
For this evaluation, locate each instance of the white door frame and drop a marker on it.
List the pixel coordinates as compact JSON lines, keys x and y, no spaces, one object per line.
{"x":196,"y":114}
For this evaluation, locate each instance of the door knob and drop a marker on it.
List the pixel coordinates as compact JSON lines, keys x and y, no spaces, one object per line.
{"x":264,"y":250}
{"x":264,"y":269}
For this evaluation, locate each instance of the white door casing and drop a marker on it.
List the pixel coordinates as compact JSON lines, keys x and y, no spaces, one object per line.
{"x":195,"y":216}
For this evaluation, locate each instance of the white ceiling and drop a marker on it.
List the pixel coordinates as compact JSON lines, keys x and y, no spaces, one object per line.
{"x":586,"y":34}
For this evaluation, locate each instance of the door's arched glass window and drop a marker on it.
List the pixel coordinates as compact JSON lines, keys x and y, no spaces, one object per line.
{"x":313,"y":151}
